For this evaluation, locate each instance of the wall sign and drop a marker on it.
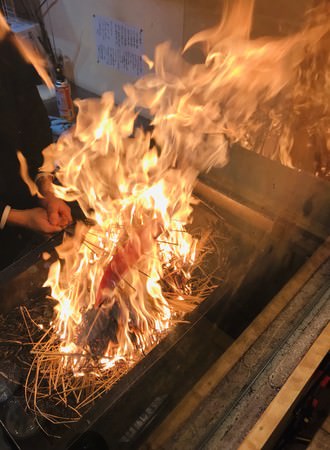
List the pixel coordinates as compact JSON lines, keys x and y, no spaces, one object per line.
{"x":118,"y":45}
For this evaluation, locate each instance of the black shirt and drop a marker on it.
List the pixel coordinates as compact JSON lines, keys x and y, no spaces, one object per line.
{"x":24,"y":125}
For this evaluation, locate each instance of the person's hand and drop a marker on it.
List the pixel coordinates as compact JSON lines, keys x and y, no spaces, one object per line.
{"x":58,"y":212}
{"x":36,"y":219}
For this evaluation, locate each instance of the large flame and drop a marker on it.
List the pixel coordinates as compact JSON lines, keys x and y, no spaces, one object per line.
{"x":137,"y":186}
{"x":140,"y":204}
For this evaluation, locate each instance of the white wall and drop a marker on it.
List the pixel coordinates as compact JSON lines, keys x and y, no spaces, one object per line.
{"x":71,"y":23}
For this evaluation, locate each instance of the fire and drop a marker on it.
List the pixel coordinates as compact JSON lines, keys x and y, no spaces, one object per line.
{"x":125,"y":279}
{"x":140,"y":206}
{"x":137,"y":186}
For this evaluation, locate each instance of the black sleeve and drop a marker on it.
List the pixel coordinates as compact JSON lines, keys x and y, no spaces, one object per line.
{"x":26,"y":122}
{"x":34,"y":127}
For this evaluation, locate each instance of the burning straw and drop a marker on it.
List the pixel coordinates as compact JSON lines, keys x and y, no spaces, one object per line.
{"x":64,"y":381}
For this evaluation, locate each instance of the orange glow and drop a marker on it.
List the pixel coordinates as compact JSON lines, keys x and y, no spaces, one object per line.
{"x":139,"y":194}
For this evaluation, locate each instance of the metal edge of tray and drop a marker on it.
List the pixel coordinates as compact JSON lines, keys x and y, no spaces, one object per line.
{"x":221,"y":368}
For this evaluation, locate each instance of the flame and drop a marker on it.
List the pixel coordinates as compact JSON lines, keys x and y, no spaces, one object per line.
{"x":28,"y":52}
{"x":4,"y":27}
{"x":137,"y":186}
{"x":307,"y":104}
{"x":24,"y":172}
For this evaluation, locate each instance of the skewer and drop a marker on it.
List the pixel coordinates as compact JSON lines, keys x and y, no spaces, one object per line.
{"x":166,"y":242}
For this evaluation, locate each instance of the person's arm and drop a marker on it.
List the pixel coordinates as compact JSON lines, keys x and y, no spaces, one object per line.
{"x":35,"y":129}
{"x":29,"y":118}
{"x":58,"y":211}
{"x":35,"y":219}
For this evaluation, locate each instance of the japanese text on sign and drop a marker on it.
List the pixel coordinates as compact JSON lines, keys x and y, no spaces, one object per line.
{"x":118,"y":45}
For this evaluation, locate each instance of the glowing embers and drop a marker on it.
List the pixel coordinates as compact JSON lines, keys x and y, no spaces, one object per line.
{"x":119,"y":312}
{"x":78,"y":362}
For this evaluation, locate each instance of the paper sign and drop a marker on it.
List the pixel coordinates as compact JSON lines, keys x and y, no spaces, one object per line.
{"x":118,"y":45}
